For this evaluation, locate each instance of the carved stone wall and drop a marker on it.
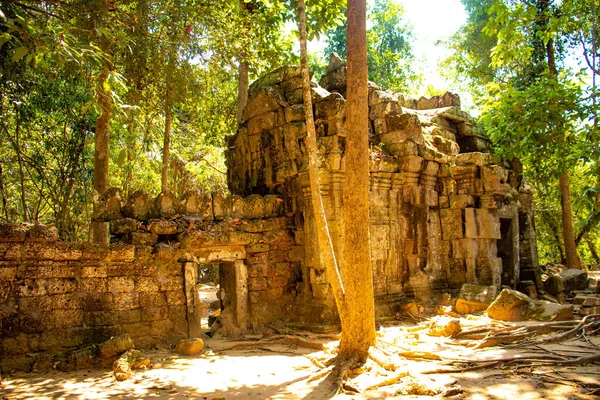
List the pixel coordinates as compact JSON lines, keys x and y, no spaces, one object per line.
{"x":444,"y":210}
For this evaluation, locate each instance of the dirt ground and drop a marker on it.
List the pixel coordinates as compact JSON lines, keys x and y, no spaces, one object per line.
{"x":267,"y":368}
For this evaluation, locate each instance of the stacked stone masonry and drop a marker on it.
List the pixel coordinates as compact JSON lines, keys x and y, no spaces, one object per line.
{"x":56,"y":297}
{"x":444,"y":210}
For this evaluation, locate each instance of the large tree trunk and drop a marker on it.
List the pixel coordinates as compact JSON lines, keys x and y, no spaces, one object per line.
{"x":100,"y":229}
{"x":358,"y":329}
{"x":567,"y":223}
{"x":324,"y":239}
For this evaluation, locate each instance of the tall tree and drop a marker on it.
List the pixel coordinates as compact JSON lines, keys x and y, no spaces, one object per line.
{"x":389,"y":46}
{"x":104,"y":99}
{"x":358,"y":329}
{"x":354,"y":291}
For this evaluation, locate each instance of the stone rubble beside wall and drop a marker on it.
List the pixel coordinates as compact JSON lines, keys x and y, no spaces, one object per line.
{"x":56,"y":297}
{"x":444,"y":210}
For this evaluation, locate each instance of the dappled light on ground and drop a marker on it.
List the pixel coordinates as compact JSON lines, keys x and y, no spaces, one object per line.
{"x":277,"y":367}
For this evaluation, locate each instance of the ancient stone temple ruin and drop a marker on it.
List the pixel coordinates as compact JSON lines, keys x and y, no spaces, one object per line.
{"x":444,"y":211}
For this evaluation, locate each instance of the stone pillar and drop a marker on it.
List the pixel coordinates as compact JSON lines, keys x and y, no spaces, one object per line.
{"x":241,"y":295}
{"x":193,"y":305}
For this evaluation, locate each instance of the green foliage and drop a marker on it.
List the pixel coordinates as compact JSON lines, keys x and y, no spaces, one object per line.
{"x":389,"y":48}
{"x":513,"y":55}
{"x":177,"y":54}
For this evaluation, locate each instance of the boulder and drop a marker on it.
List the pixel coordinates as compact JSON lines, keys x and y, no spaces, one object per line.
{"x":115,"y":346}
{"x":123,"y":226}
{"x":474,"y":298}
{"x":189,"y":347}
{"x":131,"y":359}
{"x":549,"y":311}
{"x":574,"y":279}
{"x":444,"y":327}
{"x":511,"y":305}
{"x":121,"y":369}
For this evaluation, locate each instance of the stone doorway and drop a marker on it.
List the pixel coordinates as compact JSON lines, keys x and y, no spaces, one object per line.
{"x":508,"y":252}
{"x":232,"y":296}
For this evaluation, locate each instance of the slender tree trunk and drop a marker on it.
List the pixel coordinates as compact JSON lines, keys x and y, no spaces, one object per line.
{"x":104,"y":98}
{"x":242,"y":90}
{"x":567,"y":223}
{"x":3,"y":194}
{"x":166,"y":146}
{"x":243,"y":83}
{"x":17,"y":147}
{"x":592,"y":248}
{"x":358,"y":330}
{"x":323,"y":236}
{"x":565,"y":194}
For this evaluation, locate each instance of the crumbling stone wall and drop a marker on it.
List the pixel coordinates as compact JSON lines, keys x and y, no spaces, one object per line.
{"x":55,"y":297}
{"x":441,"y":202}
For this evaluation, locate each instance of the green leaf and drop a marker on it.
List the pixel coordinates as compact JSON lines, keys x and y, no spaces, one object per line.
{"x":19,"y":53}
{"x":121,"y":157}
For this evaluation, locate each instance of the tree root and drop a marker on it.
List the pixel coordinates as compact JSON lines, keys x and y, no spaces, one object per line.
{"x":389,"y":380}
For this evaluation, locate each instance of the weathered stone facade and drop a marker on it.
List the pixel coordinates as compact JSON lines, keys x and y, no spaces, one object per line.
{"x":444,"y":210}
{"x":56,"y":297}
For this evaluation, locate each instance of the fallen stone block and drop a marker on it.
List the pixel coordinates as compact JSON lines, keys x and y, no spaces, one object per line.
{"x":511,"y":305}
{"x":474,"y":298}
{"x":547,"y":311}
{"x":189,"y":347}
{"x":115,"y":346}
{"x":574,"y":279}
{"x":554,"y":285}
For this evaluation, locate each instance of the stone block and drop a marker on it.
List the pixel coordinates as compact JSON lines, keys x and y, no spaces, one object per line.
{"x":146,"y":284}
{"x":547,"y":311}
{"x":10,"y":251}
{"x":511,"y":305}
{"x":256,"y":284}
{"x":476,"y":158}
{"x":554,"y":285}
{"x":170,"y":283}
{"x":175,"y":297}
{"x":123,"y":269}
{"x":154,"y":313}
{"x":123,"y":226}
{"x":67,"y":318}
{"x":31,"y":287}
{"x":125,"y":301}
{"x":163,"y":227}
{"x":60,"y":286}
{"x":100,"y":271}
{"x":154,"y":299}
{"x":142,"y":238}
{"x":189,"y":347}
{"x":263,"y":100}
{"x":574,"y":279}
{"x":138,"y":206}
{"x":121,"y":284}
{"x":8,"y":272}
{"x":12,"y":233}
{"x":452,"y":223}
{"x":474,"y":298}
